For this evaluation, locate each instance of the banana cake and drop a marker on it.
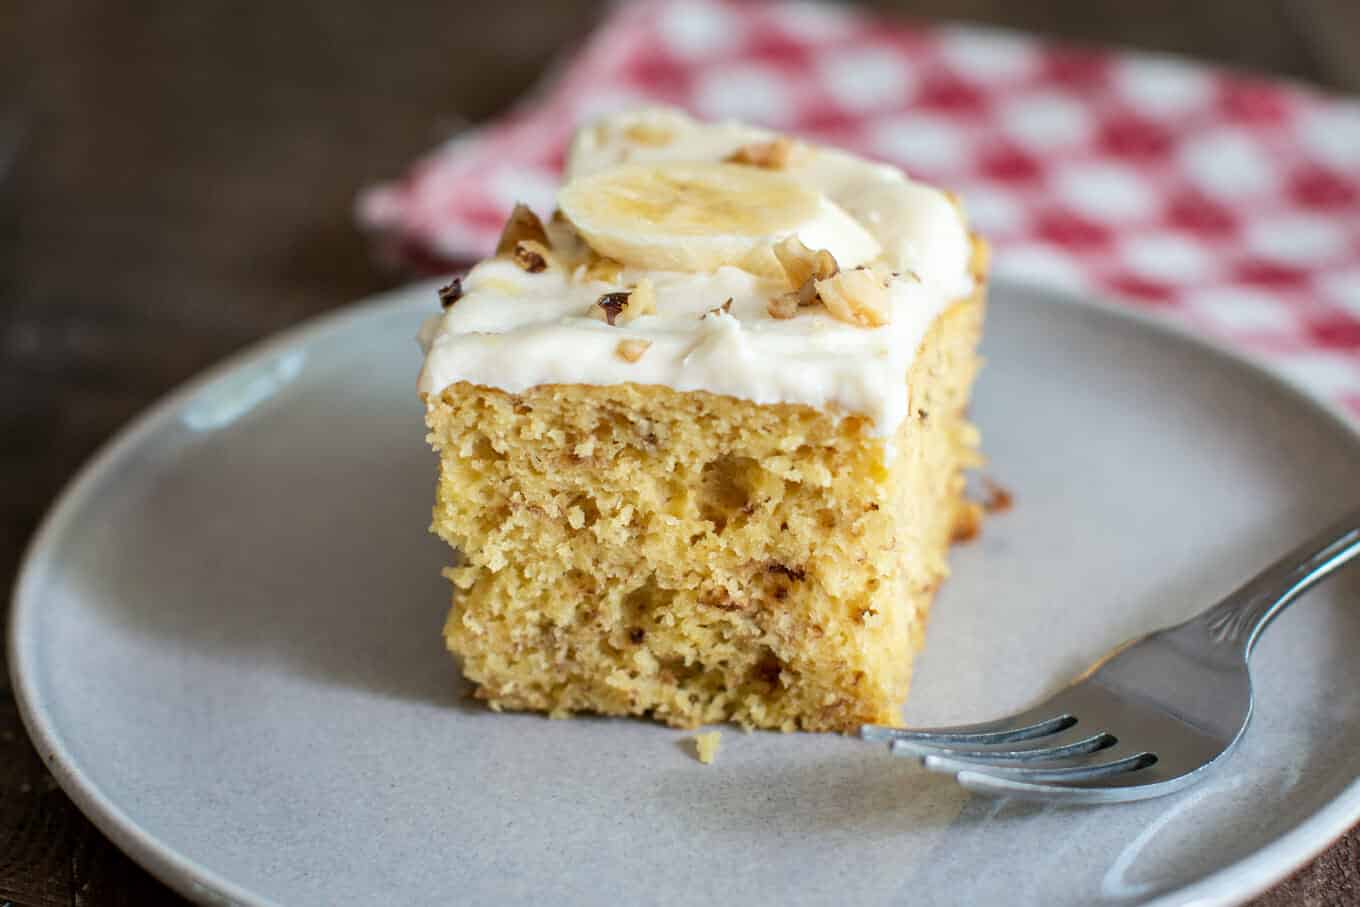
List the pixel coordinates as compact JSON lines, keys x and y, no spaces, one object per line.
{"x":701,"y":431}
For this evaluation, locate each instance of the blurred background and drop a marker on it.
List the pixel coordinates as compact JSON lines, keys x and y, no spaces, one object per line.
{"x":179,"y":179}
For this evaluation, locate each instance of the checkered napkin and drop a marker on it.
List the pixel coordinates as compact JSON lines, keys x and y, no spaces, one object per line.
{"x":1229,"y":203}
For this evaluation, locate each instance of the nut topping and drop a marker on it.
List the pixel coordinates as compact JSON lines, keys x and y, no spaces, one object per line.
{"x":855,"y":297}
{"x":623,"y":306}
{"x":783,"y":306}
{"x":522,"y":225}
{"x":804,"y":268}
{"x":451,"y":293}
{"x":632,"y":348}
{"x":802,"y":264}
{"x":772,"y":155}
{"x":724,"y":309}
{"x":531,"y":255}
{"x":610,"y":306}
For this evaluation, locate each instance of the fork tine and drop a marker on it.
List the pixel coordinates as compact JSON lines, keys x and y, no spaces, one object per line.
{"x":1074,"y":794}
{"x":1043,"y":750}
{"x":1082,"y":772}
{"x":1025,"y":726}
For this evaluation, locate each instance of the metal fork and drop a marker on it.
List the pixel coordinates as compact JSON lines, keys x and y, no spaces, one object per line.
{"x":1148,"y":718}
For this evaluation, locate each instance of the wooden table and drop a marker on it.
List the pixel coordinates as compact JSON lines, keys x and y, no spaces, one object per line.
{"x":178,"y":182}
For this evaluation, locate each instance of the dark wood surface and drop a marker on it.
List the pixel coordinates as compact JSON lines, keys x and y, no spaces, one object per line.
{"x":176,"y":180}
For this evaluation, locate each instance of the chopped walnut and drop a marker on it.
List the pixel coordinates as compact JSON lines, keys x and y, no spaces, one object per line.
{"x":522,"y":225}
{"x":856,"y":297}
{"x":786,"y":305}
{"x":802,"y":264}
{"x":451,"y":293}
{"x":724,"y":309}
{"x":531,"y":255}
{"x":631,"y":349}
{"x":783,"y":306}
{"x":609,"y":306}
{"x":649,"y":134}
{"x":773,"y":155}
{"x":623,"y":306}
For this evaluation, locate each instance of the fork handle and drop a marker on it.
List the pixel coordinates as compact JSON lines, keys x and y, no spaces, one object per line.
{"x":1239,"y":619}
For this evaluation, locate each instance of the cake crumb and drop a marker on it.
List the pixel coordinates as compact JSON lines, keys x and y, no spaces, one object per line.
{"x":967,"y":521}
{"x":999,"y":499}
{"x":706,"y":746}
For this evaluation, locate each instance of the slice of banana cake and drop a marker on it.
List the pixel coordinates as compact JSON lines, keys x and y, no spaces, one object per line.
{"x":701,"y":431}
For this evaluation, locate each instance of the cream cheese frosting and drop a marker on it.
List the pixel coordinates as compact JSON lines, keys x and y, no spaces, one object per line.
{"x":514,"y":330}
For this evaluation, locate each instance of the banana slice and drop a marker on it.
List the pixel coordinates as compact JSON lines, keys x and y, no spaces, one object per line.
{"x":700,"y":216}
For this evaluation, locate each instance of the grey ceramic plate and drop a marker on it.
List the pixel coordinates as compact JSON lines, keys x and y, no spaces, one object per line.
{"x":226,"y":644}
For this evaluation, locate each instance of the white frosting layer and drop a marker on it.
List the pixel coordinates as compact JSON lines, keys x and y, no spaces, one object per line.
{"x":514,"y":330}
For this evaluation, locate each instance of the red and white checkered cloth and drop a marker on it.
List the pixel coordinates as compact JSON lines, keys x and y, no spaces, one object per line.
{"x":1228,"y":202}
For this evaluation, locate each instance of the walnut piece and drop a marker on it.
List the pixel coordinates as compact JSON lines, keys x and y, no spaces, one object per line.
{"x":775,"y":154}
{"x":786,"y":305}
{"x":623,"y":306}
{"x":798,"y":574}
{"x":783,"y":306}
{"x":802,"y":264}
{"x":631,"y":349}
{"x":522,"y":225}
{"x":724,"y":309}
{"x":609,"y":306}
{"x":804,"y":268}
{"x":451,"y":293}
{"x":532,"y":255}
{"x":856,"y":297}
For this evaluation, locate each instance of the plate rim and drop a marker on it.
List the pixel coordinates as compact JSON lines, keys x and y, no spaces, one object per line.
{"x":1231,"y":884}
